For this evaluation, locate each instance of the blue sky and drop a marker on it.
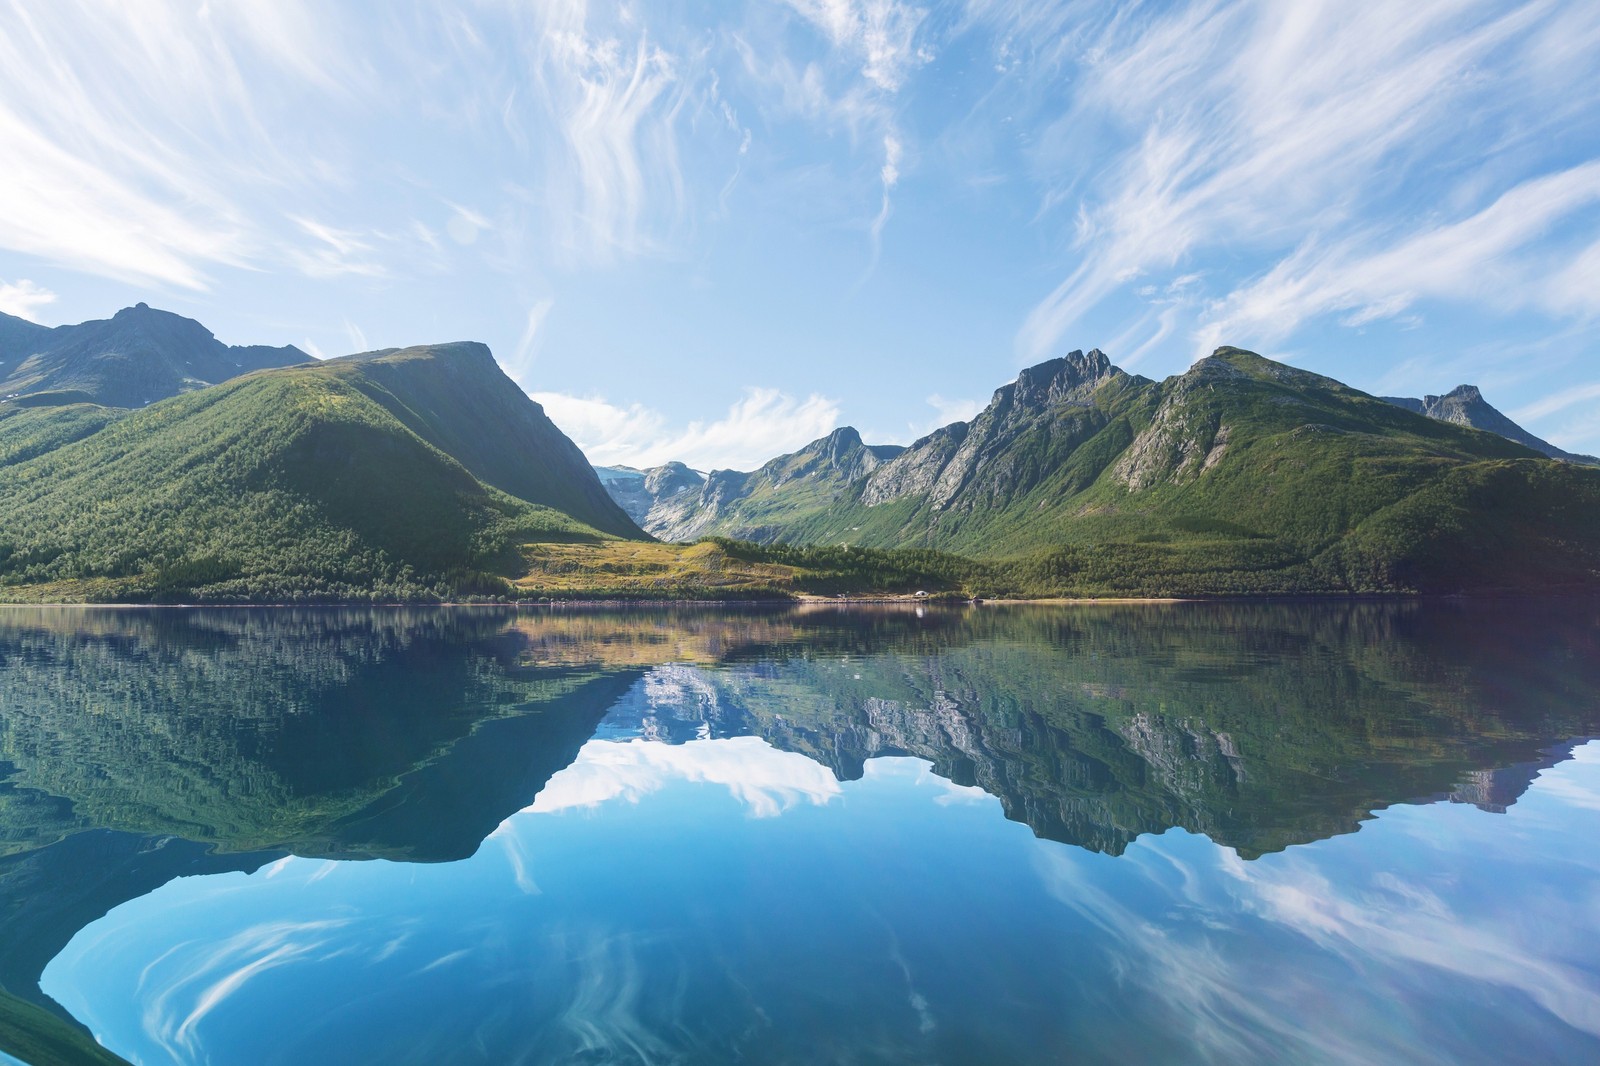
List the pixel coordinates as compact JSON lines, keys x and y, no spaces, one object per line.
{"x":713,"y":231}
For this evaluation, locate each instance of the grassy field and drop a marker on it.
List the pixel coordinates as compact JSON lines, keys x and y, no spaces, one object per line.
{"x":716,"y":568}
{"x":650,"y":570}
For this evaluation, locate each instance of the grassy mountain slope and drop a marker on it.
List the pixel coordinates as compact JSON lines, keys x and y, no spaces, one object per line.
{"x":137,"y":356}
{"x":27,"y":431}
{"x":318,"y":481}
{"x":17,"y":334}
{"x":1240,"y":475}
{"x":456,"y":397}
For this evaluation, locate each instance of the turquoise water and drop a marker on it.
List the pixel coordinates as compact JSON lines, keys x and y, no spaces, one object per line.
{"x":1224,"y":833}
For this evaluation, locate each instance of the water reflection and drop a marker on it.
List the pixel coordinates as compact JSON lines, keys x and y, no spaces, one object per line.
{"x":137,"y":747}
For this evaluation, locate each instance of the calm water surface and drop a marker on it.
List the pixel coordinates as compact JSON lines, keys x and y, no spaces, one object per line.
{"x":1201,"y":833}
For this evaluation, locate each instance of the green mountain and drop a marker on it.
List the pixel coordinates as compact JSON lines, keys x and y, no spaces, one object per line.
{"x":400,"y":474}
{"x":1465,"y":406}
{"x":136,"y":357}
{"x":1239,"y":475}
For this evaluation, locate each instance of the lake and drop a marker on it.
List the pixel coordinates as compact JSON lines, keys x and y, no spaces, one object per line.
{"x":1350,"y":832}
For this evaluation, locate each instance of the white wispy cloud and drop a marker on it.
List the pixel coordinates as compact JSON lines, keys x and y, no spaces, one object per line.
{"x":874,"y":47}
{"x":1261,"y":126}
{"x":1482,"y":258}
{"x":614,"y":97}
{"x":24,"y":298}
{"x":761,"y":424}
{"x":1557,"y":401}
{"x":124,"y":130}
{"x":72,"y":211}
{"x":465,"y":224}
{"x":335,"y":251}
{"x":1570,"y":415}
{"x":881,"y":35}
{"x":889,"y":175}
{"x":527,"y":344}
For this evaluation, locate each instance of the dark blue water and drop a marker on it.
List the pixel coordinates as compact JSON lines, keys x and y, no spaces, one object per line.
{"x":1203,"y":833}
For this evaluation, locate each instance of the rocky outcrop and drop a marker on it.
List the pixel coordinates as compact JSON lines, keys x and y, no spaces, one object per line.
{"x":1184,"y":438}
{"x":1464,"y":405}
{"x":671,"y":502}
{"x":974,"y":463}
{"x":838,"y":457}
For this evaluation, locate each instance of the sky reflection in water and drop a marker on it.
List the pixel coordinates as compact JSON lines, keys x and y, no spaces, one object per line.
{"x":721,"y":898}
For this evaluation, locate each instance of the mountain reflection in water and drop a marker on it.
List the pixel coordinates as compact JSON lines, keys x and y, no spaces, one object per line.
{"x":139,"y":746}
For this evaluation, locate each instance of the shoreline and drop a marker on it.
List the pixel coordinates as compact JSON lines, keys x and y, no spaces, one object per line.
{"x":813,"y":601}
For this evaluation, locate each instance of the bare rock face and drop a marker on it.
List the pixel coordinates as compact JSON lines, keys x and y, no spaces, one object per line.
{"x":670,"y":479}
{"x":1184,"y":438}
{"x":916,"y":470}
{"x":665,"y":501}
{"x":974,"y":462}
{"x":688,"y":514}
{"x":1464,"y":405}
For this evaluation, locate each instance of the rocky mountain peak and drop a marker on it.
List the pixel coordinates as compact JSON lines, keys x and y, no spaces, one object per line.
{"x":670,"y":478}
{"x":839,"y":455}
{"x":1464,"y":405}
{"x":839,"y":441}
{"x":1461,"y":394}
{"x":1071,"y":378}
{"x":144,"y":322}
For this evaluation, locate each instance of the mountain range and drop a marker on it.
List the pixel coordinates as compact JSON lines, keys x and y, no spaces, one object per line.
{"x":426,"y":472}
{"x":137,"y":356}
{"x":1241,"y":474}
{"x":676,"y":503}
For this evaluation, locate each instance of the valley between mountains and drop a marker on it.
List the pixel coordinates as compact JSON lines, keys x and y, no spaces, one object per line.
{"x":143,"y":460}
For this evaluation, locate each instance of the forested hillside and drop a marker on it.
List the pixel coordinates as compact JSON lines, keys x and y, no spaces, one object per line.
{"x":330,"y":481}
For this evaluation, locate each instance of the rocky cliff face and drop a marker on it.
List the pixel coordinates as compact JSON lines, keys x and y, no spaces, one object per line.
{"x":975,"y":464}
{"x":1183,"y":438}
{"x":1464,"y":405}
{"x":670,"y":502}
{"x":137,"y":356}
